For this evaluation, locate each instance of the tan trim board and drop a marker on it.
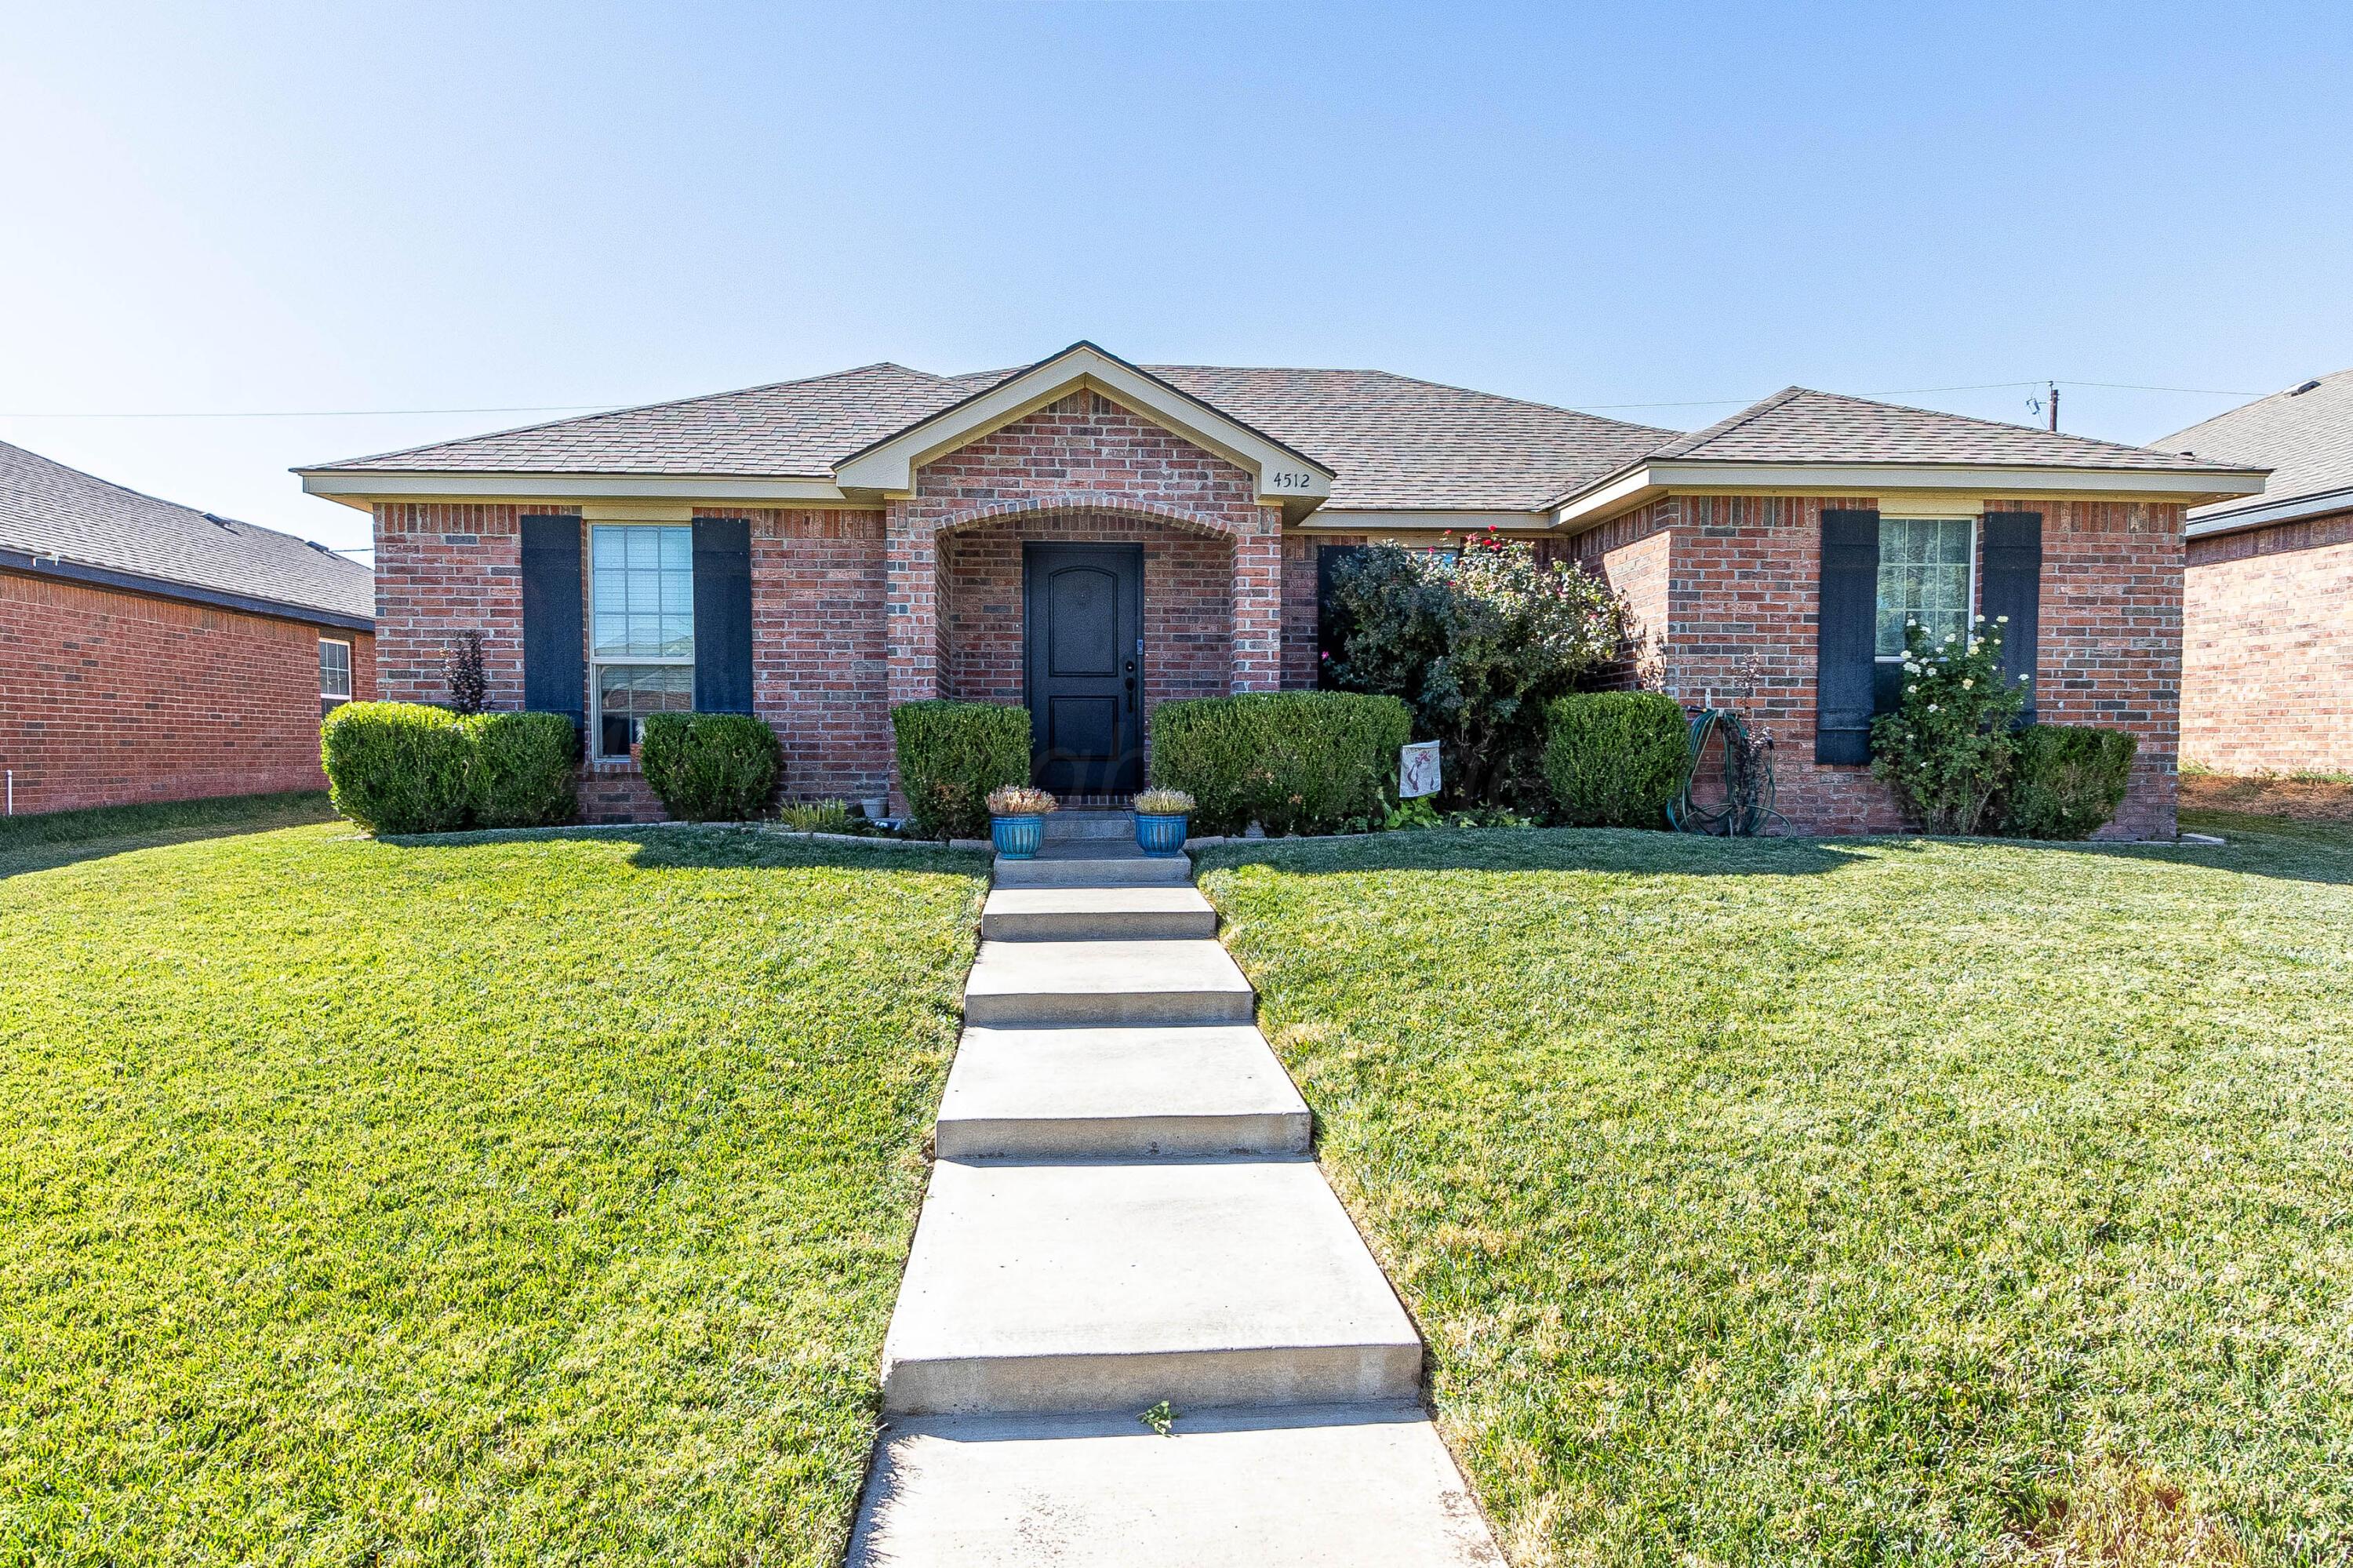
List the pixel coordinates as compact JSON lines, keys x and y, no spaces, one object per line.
{"x":2287,"y":509}
{"x":1329,"y":517}
{"x":360,"y":489}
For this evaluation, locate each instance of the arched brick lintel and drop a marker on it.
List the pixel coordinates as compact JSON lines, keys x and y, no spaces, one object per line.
{"x":981,"y":514}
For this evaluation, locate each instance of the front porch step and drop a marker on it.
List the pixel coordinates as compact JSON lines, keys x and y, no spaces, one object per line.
{"x":1143,"y":981}
{"x":1075,"y":914}
{"x":1063,"y":826}
{"x":1331,"y":1487}
{"x":1119,"y":1093}
{"x":1095,"y":862}
{"x":1085,"y":1285}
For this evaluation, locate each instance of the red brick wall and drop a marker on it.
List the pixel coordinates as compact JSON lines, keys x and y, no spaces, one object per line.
{"x":1187,"y":603}
{"x":1632,"y":554}
{"x":441,"y":569}
{"x":2268,"y":649}
{"x":117,"y":697}
{"x":1743,"y":596}
{"x":818,"y":670}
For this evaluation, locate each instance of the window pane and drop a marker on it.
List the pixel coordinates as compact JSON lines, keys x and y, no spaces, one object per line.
{"x":642,"y":592}
{"x":626,"y":693}
{"x":334,"y":669}
{"x":1924,"y":576}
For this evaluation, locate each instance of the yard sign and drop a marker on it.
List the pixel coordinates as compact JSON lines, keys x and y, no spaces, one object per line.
{"x":1418,"y":770}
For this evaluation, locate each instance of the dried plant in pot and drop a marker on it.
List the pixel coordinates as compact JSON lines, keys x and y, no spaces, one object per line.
{"x":1161,"y":816}
{"x":1017,"y":820}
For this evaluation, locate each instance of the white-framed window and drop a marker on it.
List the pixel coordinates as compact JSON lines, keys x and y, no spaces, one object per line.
{"x":640,"y":628}
{"x":334,"y":674}
{"x":1927,"y":573}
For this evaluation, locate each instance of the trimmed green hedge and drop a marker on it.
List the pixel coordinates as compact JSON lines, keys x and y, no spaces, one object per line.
{"x":522,"y":769}
{"x":408,"y":768}
{"x":2066,"y":781}
{"x":397,"y":768}
{"x":951,"y":755}
{"x":1615,"y":760}
{"x":710,"y":767}
{"x":1297,"y":762}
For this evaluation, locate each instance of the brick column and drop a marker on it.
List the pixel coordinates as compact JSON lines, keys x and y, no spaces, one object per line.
{"x":911,"y":605}
{"x":1258,"y":604}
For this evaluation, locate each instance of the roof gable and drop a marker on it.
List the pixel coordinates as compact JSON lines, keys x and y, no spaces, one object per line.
{"x":887,"y":466}
{"x":1797,"y":424}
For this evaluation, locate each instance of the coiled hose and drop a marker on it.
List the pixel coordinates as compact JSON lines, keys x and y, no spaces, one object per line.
{"x":1746,"y":809}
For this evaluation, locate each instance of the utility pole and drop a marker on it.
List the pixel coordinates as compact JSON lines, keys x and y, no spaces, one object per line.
{"x":2055,"y":407}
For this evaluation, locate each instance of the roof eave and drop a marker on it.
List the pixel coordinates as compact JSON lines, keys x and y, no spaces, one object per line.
{"x":47,"y":564}
{"x":1641,"y":482}
{"x":2263,"y":514}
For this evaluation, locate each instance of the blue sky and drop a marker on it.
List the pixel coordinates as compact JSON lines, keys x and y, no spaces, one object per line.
{"x":252,"y":208}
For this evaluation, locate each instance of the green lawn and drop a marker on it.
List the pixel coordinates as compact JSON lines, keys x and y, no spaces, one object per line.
{"x":1842,"y":1203}
{"x":527,"y":1199}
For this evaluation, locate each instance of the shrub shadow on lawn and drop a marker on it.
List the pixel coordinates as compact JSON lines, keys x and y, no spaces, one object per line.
{"x":66,"y":838}
{"x":2257,"y":846}
{"x":1542,"y":849}
{"x":683,"y":848}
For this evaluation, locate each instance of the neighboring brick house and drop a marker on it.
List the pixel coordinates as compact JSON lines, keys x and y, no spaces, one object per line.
{"x":2267,"y":639}
{"x":151,"y":652}
{"x":1092,"y":537}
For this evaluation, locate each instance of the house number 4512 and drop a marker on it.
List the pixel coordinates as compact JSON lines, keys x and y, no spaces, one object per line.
{"x":1291,"y":479}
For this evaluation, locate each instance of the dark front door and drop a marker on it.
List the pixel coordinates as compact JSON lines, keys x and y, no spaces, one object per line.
{"x":1082,"y":621}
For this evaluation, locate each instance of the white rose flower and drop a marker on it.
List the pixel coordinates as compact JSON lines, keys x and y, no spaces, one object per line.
{"x":1967,"y":685}
{"x":2023,"y":679}
{"x":1932,"y":707}
{"x":2002,"y":620}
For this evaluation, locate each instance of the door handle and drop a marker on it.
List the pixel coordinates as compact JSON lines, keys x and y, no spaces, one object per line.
{"x":1131,"y":694}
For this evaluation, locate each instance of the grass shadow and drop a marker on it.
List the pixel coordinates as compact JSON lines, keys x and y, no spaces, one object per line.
{"x":1542,"y":849}
{"x":57,"y":839}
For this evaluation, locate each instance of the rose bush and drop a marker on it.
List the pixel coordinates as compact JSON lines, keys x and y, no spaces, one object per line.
{"x":1949,"y":746}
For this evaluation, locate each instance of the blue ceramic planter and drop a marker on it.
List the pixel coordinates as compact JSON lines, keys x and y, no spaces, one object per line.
{"x":1016,"y":838}
{"x":1160,"y":835}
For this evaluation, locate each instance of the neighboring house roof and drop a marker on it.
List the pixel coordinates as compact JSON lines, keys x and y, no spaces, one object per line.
{"x":61,"y":521}
{"x":1392,"y":441}
{"x":2304,"y":435}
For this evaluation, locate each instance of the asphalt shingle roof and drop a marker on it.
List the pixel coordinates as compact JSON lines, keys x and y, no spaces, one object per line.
{"x":1802,"y":426}
{"x":2305,"y":438}
{"x":48,"y":509}
{"x":1394,"y":442}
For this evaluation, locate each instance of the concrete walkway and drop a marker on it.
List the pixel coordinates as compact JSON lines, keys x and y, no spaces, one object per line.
{"x":1125,"y":1210}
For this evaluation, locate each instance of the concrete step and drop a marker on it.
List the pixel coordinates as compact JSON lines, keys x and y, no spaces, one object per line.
{"x":1102,"y":1285}
{"x":1145,"y":981}
{"x":1336,"y":1487}
{"x":1079,"y":914}
{"x":1119,"y":1093}
{"x":1093,"y":862}
{"x":1064,"y":826}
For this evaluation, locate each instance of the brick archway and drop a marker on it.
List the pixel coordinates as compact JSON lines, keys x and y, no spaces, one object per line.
{"x":1084,"y":457}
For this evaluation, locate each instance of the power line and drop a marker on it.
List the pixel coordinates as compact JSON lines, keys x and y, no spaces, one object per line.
{"x":594,"y":408}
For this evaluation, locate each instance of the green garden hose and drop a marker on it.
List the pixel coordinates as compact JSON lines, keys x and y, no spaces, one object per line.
{"x":1748,"y":790}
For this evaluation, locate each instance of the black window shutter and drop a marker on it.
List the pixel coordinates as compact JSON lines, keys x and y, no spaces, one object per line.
{"x":1331,"y":621}
{"x":723,"y":615}
{"x":1845,"y":670}
{"x":553,"y":649}
{"x":2010,"y":572}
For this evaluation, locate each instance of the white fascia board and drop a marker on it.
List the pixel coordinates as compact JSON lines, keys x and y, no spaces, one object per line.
{"x":889,"y":467}
{"x":1374,"y":519}
{"x":360,"y":487}
{"x":2286,"y":509}
{"x":1868,"y":479}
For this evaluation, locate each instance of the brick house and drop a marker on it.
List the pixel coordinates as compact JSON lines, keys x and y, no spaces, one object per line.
{"x":151,"y":652}
{"x":1091,"y":537}
{"x":2267,"y":621}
